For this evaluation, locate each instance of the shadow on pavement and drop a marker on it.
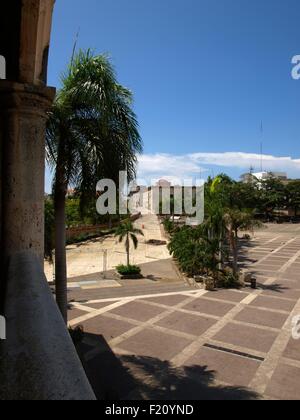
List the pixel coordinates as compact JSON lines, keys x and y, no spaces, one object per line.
{"x":145,"y":378}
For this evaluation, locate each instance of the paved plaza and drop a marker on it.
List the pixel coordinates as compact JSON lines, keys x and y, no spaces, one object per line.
{"x":167,"y":340}
{"x":85,"y":261}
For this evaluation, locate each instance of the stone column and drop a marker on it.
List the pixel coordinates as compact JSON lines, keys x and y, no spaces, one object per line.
{"x":24,"y":101}
{"x":23,"y":111}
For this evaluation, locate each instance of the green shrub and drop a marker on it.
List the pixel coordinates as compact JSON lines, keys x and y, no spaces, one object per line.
{"x":130,"y":270}
{"x":229,"y":281}
{"x":169,"y":226}
{"x":195,"y":253}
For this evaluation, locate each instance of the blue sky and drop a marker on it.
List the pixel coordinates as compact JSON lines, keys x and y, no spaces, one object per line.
{"x":204,"y":73}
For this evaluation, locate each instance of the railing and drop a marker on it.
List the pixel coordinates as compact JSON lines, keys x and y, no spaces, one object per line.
{"x":37,"y":360}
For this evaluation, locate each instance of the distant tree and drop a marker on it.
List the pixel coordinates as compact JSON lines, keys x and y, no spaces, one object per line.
{"x":272,"y":196}
{"x":293,"y":196}
{"x":127,"y":232}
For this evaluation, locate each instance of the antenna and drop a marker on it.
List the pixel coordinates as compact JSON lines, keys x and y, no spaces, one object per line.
{"x":261,"y":146}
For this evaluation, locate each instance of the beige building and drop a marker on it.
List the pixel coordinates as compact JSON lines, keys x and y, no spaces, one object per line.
{"x":263,"y":176}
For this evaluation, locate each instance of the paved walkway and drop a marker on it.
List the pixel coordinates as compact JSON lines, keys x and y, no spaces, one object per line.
{"x":174,"y":342}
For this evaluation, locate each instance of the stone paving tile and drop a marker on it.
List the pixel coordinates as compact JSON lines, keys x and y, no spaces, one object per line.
{"x":98,"y":305}
{"x":209,"y":307}
{"x":190,"y":324}
{"x":138,"y":311}
{"x":151,"y":343}
{"x":230,"y":296}
{"x":285,"y":383}
{"x":74,"y":313}
{"x":292,"y":275}
{"x":265,"y":273}
{"x":106,"y":327}
{"x":108,"y":377}
{"x":282,"y":291}
{"x":292,"y":350}
{"x":269,"y":264}
{"x":168,"y":300}
{"x":248,"y":337}
{"x":229,"y":368}
{"x":273,"y":303}
{"x":294,"y":269}
{"x":268,"y":269}
{"x":260,"y":317}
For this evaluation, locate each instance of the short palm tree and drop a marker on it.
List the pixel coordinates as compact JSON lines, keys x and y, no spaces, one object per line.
{"x":92,"y":133}
{"x":127,"y":232}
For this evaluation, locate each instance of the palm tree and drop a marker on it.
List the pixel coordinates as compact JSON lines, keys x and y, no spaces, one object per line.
{"x":128,"y":232}
{"x":92,"y":133}
{"x":236,"y":220}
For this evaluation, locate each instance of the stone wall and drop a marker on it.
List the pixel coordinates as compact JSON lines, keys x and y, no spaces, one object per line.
{"x":74,"y":232}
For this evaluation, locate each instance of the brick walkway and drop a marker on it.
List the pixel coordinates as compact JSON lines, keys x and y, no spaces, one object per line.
{"x":173,"y":342}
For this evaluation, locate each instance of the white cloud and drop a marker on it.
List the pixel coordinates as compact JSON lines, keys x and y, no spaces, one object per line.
{"x":176,"y":168}
{"x":168,"y":166}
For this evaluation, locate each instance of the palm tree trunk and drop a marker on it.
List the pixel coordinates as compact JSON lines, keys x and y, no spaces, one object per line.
{"x":235,"y":255}
{"x":233,"y":249}
{"x":60,"y":246}
{"x":221,"y":265}
{"x":128,"y":250}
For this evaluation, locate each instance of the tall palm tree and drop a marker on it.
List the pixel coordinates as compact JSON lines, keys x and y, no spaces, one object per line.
{"x":127,"y":232}
{"x":236,"y":220}
{"x":91,"y":123}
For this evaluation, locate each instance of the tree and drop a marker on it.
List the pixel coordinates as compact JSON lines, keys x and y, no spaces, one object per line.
{"x":195,"y":252}
{"x":235,"y":221}
{"x":91,"y":123}
{"x":230,"y":208}
{"x":272,"y":195}
{"x":127,"y":232}
{"x":214,"y":214}
{"x":49,"y":229}
{"x":293,"y":196}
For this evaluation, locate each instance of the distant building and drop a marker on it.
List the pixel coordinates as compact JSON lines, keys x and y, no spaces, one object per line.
{"x":162,"y":183}
{"x":263,"y":176}
{"x":71,"y":193}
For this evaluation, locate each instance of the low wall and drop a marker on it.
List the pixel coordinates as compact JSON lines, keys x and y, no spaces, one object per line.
{"x":38,"y":360}
{"x":93,"y":230}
